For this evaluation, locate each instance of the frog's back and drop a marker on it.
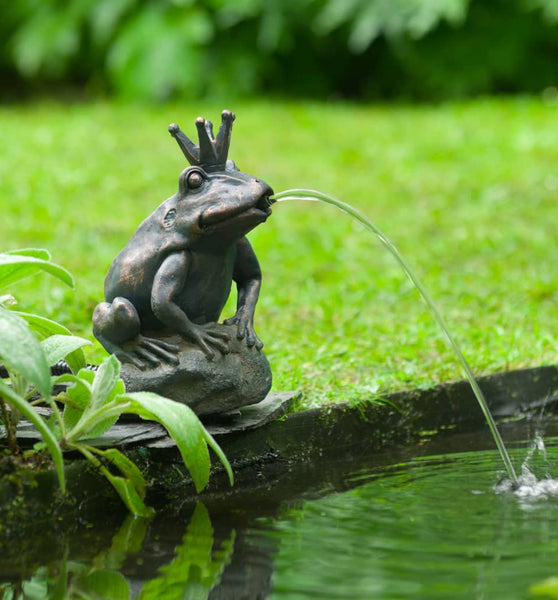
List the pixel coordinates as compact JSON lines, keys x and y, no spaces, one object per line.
{"x":133,"y":270}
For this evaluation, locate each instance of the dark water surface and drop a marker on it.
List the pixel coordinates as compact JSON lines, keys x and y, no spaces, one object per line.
{"x":422,"y":522}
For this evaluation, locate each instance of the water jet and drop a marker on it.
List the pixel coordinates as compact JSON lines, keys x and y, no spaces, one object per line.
{"x":313,"y":195}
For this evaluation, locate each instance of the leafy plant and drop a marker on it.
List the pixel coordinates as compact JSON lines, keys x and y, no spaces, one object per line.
{"x":26,"y":359}
{"x":92,"y":402}
{"x":158,"y":49}
{"x":368,"y":19}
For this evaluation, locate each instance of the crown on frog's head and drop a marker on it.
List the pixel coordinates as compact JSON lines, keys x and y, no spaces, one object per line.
{"x":211,"y":154}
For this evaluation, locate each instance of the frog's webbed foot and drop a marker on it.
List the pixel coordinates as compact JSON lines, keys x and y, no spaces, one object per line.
{"x":145,"y":352}
{"x":208,"y":337}
{"x":244,"y":322}
{"x":117,"y":326}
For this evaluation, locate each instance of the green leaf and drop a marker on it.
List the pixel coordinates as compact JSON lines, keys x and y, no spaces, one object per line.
{"x":105,"y":380}
{"x":220,"y":454}
{"x":76,"y":398}
{"x":77,"y":395}
{"x":15,"y":267}
{"x":124,"y":486}
{"x":35,"y":588}
{"x":20,"y":351}
{"x":27,"y":411}
{"x":71,"y":417}
{"x":127,"y":492}
{"x":44,"y":328}
{"x":105,"y":584}
{"x":127,"y":467}
{"x":40,"y":253}
{"x":56,"y":347}
{"x":104,"y":386}
{"x":99,"y":428}
{"x":183,"y":426}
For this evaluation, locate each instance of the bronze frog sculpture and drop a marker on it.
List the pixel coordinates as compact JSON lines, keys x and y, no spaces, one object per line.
{"x":175,"y":274}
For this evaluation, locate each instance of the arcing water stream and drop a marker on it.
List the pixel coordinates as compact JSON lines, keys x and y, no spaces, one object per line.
{"x":312,"y":195}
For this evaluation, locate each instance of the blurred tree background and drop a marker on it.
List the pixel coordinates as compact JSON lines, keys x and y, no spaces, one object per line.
{"x":358,"y":49}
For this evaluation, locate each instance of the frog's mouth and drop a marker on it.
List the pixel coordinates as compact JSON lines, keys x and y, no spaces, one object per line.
{"x":222,"y":217}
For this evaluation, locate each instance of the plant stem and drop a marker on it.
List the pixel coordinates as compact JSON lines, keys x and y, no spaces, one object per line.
{"x":56,"y":411}
{"x":10,"y":428}
{"x":86,"y":451}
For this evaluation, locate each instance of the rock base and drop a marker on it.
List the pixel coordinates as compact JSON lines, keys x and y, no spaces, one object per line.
{"x":208,"y":387}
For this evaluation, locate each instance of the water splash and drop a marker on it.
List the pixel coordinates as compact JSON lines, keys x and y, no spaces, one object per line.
{"x":528,"y":486}
{"x":537,"y":447}
{"x":313,"y":195}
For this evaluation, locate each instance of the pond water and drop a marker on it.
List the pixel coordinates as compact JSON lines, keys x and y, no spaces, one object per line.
{"x":426,"y":523}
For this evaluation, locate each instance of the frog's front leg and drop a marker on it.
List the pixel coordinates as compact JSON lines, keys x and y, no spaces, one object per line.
{"x":117,"y":326}
{"x":248,"y":277}
{"x":168,"y":282}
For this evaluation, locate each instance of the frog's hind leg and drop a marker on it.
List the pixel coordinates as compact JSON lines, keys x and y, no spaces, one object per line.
{"x":117,"y":326}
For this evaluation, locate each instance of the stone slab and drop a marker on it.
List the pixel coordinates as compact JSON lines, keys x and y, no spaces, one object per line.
{"x":132,"y":432}
{"x":273,"y":407}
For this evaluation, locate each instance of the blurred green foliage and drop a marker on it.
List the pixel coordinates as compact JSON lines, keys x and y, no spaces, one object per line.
{"x":161,"y":49}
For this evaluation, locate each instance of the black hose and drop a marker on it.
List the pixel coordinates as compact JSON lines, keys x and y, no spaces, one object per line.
{"x":60,"y":368}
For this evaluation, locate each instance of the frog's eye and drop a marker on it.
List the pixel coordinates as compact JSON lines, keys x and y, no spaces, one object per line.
{"x":194,"y":180}
{"x":191,"y":180}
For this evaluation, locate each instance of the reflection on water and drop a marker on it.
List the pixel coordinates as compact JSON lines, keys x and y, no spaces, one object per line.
{"x":196,"y":567}
{"x":419,"y":527}
{"x":194,"y":570}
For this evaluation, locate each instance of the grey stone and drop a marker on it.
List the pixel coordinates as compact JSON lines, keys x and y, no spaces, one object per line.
{"x":219,"y":385}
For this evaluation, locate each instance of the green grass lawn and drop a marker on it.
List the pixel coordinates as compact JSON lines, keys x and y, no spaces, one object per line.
{"x":467,"y":191}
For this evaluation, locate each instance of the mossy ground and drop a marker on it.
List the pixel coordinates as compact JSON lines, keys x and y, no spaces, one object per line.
{"x":467,"y":191}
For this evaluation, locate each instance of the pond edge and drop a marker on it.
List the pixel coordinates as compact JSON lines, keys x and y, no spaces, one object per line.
{"x":408,"y":417}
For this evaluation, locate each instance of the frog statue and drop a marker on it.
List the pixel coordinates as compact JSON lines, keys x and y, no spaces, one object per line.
{"x":166,"y":289}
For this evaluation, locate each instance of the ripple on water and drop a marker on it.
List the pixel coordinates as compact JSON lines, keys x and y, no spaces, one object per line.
{"x":430,"y":528}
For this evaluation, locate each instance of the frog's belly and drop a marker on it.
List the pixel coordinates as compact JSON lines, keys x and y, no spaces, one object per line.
{"x":202,"y":298}
{"x":203,"y":304}
{"x":206,"y":289}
